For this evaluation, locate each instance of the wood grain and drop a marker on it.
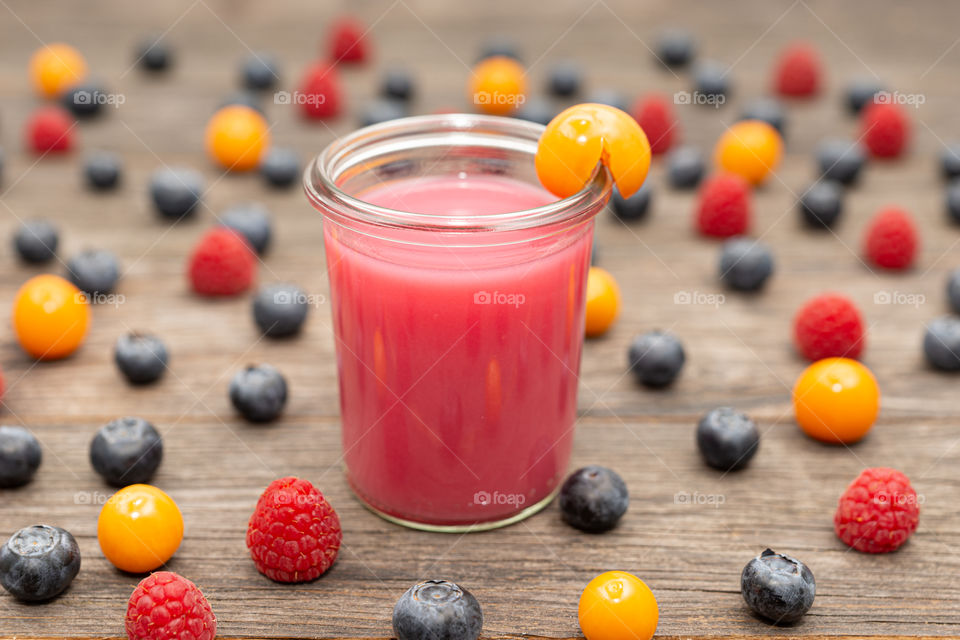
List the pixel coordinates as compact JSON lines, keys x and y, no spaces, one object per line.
{"x":689,"y":531}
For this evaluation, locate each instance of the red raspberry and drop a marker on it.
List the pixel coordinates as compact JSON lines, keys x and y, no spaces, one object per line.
{"x":222,"y":264}
{"x":50,"y":129}
{"x":348,"y":42}
{"x":891,"y":239}
{"x":165,"y":605}
{"x":655,"y":115}
{"x":724,"y":207}
{"x":294,"y":534}
{"x":828,"y":326}
{"x":878,"y":511}
{"x":884,"y":128}
{"x":798,"y":71}
{"x":319,"y":95}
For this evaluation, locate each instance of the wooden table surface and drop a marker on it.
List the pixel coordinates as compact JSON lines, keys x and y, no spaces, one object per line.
{"x":689,"y":530}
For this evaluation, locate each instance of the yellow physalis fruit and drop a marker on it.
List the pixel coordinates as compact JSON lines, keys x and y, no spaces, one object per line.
{"x":498,"y":85}
{"x":751,"y":149}
{"x":56,"y":67}
{"x":603,"y":302}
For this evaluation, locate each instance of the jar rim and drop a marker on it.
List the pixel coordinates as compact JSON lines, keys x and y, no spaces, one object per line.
{"x":321,"y":175}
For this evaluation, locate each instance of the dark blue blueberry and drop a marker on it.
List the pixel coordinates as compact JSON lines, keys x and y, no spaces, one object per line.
{"x":745,"y":264}
{"x":840,"y":160}
{"x":280,"y":166}
{"x":685,"y":167}
{"x":36,"y":241}
{"x":711,"y":82}
{"x":950,"y":161}
{"x":536,"y":109}
{"x":609,"y":97}
{"x":565,"y":79}
{"x":676,"y":48}
{"x":258,"y":392}
{"x":38,"y":563}
{"x":126,"y":451}
{"x":244,"y":99}
{"x":252,"y":221}
{"x":500,"y":45}
{"x":861,"y":91}
{"x":86,"y":99}
{"x":153,"y":54}
{"x":593,"y":499}
{"x":941,"y":343}
{"x":656,"y":358}
{"x":280,"y":309}
{"x":94,"y":271}
{"x":176,"y":192}
{"x":953,"y":201}
{"x":635,"y":207}
{"x":727,"y":439}
{"x":260,"y":72}
{"x":141,"y":358}
{"x":821,"y":204}
{"x":20,"y":457}
{"x":767,"y":110}
{"x":397,"y":84}
{"x":953,"y":290}
{"x":102,"y":170}
{"x":778,"y":587}
{"x":381,"y":110}
{"x":437,"y":610}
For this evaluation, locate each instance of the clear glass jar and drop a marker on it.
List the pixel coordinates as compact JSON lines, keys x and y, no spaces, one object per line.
{"x":457,"y":289}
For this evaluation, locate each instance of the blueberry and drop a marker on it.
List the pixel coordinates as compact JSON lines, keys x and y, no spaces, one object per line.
{"x":20,"y":457}
{"x":609,"y":97}
{"x":244,"y":99}
{"x":126,"y":451}
{"x":260,"y":72}
{"x":38,"y":563}
{"x":176,"y":192}
{"x":259,"y":393}
{"x":821,"y":204}
{"x":778,"y":587}
{"x":635,"y":207}
{"x":593,"y":499}
{"x":153,"y":54}
{"x":280,"y":309}
{"x":685,"y":167}
{"x":941,"y":343}
{"x":397,"y":84}
{"x":437,"y":610}
{"x":500,"y":45}
{"x":950,"y":161}
{"x":727,"y":439}
{"x":953,"y":290}
{"x":252,"y":221}
{"x":280,"y":166}
{"x":94,"y":271}
{"x":102,"y":170}
{"x":565,"y":79}
{"x":840,"y":160}
{"x":85,"y":100}
{"x":676,"y":48}
{"x":141,"y":358}
{"x":745,"y":264}
{"x":767,"y":110}
{"x":861,"y":91}
{"x":536,"y":109}
{"x":656,"y":358}
{"x":381,"y":110}
{"x":710,"y":79}
{"x":953,"y":201}
{"x":36,"y":241}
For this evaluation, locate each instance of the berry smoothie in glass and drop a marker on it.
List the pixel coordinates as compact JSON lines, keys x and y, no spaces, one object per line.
{"x":457,"y":290}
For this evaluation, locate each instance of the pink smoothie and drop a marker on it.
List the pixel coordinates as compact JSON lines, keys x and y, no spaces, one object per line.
{"x":458,"y":367}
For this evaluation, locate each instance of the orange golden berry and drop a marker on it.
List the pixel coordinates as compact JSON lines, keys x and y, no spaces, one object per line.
{"x":603,"y":302}
{"x":140,"y":528}
{"x":750,"y":149}
{"x":836,"y":400}
{"x":236,"y":137}
{"x":498,"y":85}
{"x":55,"y":68}
{"x":50,"y":317}
{"x":617,"y":605}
